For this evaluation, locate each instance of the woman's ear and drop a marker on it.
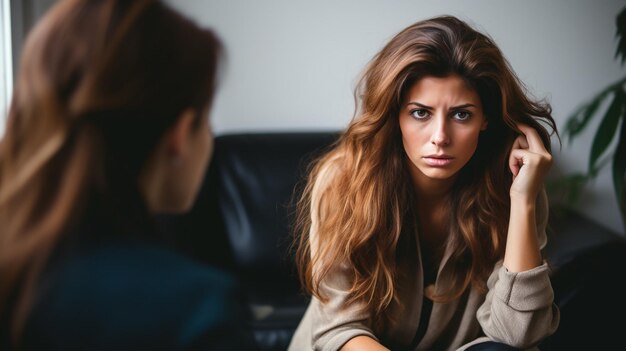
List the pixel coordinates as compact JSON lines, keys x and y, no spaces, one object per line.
{"x":484,"y":125}
{"x":177,"y":137}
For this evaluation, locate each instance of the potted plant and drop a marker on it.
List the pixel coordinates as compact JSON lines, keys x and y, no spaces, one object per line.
{"x":611,"y":126}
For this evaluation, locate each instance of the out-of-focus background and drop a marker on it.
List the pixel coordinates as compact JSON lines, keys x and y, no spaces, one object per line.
{"x":292,"y":64}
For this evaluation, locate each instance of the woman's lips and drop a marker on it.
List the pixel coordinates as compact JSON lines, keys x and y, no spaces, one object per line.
{"x":438,"y":160}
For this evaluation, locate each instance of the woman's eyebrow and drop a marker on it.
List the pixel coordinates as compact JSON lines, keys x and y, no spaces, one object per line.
{"x":419,"y":105}
{"x":462,"y":106}
{"x":430,"y":108}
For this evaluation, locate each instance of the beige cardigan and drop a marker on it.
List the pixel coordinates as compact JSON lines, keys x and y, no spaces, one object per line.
{"x":517,"y":310}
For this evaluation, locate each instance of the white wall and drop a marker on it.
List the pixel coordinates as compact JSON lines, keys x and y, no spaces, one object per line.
{"x":293,"y":64}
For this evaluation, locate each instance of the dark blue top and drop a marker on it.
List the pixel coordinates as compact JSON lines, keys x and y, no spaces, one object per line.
{"x":129,"y":295}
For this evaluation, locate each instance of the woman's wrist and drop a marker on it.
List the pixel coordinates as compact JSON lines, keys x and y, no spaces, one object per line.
{"x":523,"y":200}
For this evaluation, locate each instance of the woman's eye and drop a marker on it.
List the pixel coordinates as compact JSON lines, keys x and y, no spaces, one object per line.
{"x":462,"y":115}
{"x":419,"y":114}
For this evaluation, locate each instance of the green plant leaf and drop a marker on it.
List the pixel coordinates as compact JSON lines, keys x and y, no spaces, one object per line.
{"x":594,"y":172}
{"x":607,"y":129}
{"x":621,"y":36}
{"x":619,"y":168}
{"x":577,"y":121}
{"x":576,"y":125}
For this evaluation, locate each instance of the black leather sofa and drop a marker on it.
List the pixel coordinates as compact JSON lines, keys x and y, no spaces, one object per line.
{"x":241,"y":222}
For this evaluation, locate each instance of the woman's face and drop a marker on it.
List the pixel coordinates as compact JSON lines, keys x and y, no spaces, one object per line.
{"x":440,"y":121}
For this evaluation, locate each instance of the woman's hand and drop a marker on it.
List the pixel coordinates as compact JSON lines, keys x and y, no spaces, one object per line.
{"x":529,"y":162}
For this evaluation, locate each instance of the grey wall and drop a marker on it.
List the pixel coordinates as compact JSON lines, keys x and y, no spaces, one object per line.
{"x":293,"y":64}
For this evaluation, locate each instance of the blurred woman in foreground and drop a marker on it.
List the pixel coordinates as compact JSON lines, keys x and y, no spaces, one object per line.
{"x":107,"y":128}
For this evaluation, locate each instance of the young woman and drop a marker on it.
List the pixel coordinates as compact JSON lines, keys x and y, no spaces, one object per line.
{"x":422,"y":228}
{"x":109,"y":127}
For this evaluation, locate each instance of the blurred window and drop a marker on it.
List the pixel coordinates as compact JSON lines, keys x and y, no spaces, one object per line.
{"x":6,"y":60}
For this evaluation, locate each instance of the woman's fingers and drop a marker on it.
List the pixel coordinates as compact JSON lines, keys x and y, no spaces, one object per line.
{"x":520,"y":143}
{"x":515,"y":161}
{"x":529,"y":161}
{"x":531,"y":142}
{"x":534,"y":142}
{"x":524,"y":157}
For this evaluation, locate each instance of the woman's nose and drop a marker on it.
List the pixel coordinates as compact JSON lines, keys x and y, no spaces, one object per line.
{"x":440,"y":135}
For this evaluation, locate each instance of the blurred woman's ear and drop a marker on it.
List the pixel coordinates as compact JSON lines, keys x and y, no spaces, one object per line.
{"x":177,"y":137}
{"x":172,"y":176}
{"x":161,"y":173}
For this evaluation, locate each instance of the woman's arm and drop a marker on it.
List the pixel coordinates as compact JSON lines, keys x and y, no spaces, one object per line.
{"x":363,"y":343}
{"x":519,"y":308}
{"x":522,"y":247}
{"x":529,"y":161}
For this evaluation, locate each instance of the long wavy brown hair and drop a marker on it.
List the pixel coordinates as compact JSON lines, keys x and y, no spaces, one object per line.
{"x":100,"y":81}
{"x":358,"y":199}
